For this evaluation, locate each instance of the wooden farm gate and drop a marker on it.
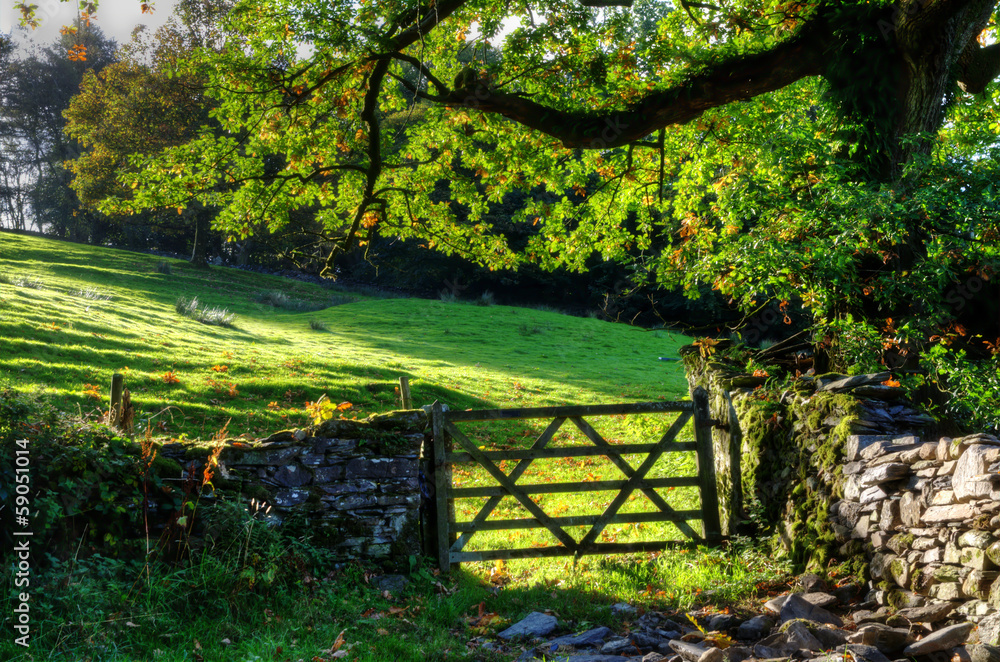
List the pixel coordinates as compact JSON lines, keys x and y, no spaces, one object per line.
{"x":452,"y":536}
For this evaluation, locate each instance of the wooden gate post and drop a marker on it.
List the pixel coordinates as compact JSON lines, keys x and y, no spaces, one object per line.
{"x":441,"y":488}
{"x":404,"y":393}
{"x":706,"y":467}
{"x":117,"y":386}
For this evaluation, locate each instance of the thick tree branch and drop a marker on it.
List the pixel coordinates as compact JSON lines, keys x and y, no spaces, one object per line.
{"x":424,"y":71}
{"x":734,"y":80}
{"x":369,"y":115}
{"x":978,"y":66}
{"x":437,"y":12}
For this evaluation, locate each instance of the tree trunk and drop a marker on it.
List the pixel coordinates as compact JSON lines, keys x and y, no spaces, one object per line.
{"x":202,"y":226}
{"x":937,"y":48}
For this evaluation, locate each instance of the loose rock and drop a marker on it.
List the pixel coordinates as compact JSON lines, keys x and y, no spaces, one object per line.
{"x":535,"y":624}
{"x":944,"y":639}
{"x":756,"y":628}
{"x":797,"y":607}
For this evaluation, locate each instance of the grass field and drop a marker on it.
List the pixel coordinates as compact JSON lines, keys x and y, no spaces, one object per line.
{"x":72,"y":315}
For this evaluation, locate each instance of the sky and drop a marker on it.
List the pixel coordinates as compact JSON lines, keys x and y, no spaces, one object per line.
{"x":117,"y":18}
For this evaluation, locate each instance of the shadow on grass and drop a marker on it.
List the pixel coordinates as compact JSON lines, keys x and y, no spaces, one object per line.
{"x":210,"y":611}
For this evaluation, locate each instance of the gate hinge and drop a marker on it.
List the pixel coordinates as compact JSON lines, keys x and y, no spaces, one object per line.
{"x":719,"y":424}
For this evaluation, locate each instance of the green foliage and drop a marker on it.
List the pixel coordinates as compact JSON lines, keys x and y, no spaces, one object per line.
{"x":90,"y":487}
{"x":808,"y":196}
{"x":972,"y":388}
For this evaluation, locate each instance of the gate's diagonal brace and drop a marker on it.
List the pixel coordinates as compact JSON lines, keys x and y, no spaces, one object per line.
{"x":521,"y":467}
{"x":507,"y":484}
{"x":629,"y":472}
{"x":635,"y":480}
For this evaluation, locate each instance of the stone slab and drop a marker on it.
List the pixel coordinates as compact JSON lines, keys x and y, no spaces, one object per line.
{"x":941,"y":640}
{"x":535,"y":624}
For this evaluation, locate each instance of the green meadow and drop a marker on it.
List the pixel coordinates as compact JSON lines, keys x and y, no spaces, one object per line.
{"x":73,"y":315}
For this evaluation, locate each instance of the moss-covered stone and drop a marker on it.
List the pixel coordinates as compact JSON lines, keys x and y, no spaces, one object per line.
{"x":787,"y":442}
{"x":164,"y":467}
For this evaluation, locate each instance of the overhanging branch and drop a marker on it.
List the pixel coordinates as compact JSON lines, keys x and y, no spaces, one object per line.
{"x":733,"y":80}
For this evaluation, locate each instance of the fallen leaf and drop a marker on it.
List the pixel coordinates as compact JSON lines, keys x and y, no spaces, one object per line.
{"x":338,"y":643}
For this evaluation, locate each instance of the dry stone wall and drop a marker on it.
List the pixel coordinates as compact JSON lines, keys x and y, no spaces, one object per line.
{"x":844,"y":468}
{"x":929,"y":513}
{"x":356,"y":485}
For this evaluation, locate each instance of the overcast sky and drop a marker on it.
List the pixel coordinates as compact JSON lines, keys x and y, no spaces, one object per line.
{"x":117,"y":18}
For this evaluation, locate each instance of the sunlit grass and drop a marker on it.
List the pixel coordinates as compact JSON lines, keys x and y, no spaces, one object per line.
{"x":188,"y":379}
{"x":54,"y":340}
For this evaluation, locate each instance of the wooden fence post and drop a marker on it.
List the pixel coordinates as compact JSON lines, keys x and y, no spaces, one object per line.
{"x":117,"y":386}
{"x":404,"y":393}
{"x":441,"y":488}
{"x":706,"y":466}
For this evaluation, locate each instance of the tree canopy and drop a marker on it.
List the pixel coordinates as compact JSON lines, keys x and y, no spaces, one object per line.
{"x":835,"y":153}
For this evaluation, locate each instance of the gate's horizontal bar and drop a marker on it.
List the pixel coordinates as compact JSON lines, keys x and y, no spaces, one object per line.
{"x":571,"y":451}
{"x":579,"y":410}
{"x":578,"y":520}
{"x":589,"y":486}
{"x":596,"y":548}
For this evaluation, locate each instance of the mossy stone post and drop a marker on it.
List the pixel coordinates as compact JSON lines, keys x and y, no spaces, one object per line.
{"x":117,"y":387}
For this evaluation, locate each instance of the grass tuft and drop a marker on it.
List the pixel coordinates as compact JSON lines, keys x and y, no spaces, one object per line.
{"x":486,"y":299}
{"x":278,"y":299}
{"x":93,"y":293}
{"x":526,"y":329}
{"x":318,"y":325}
{"x":33,"y":283}
{"x":212,"y":316}
{"x":164,"y":268}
